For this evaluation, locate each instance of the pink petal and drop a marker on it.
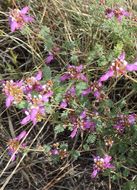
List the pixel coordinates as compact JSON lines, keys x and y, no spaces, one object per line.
{"x":50,"y":58}
{"x":94,"y":173}
{"x":39,"y":75}
{"x":120,"y":18}
{"x":79,"y":68}
{"x":33,"y":114}
{"x":74,"y":132}
{"x":24,"y":10}
{"x":132,"y":67}
{"x":28,"y":19}
{"x":9,"y":100}
{"x":87,"y":91}
{"x":25,"y":120}
{"x":65,"y":77}
{"x":122,"y":56}
{"x":107,"y":159}
{"x":97,"y":94}
{"x":46,"y":96}
{"x":106,"y":76}
{"x":13,"y":26}
{"x":82,"y":77}
{"x":21,"y":135}
{"x":63,"y":104}
{"x":13,"y":157}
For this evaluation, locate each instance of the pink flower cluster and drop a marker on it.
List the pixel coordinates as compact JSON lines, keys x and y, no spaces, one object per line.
{"x":18,"y":18}
{"x":33,"y":92}
{"x":95,"y":88}
{"x":14,"y":145}
{"x":13,"y":91}
{"x":124,"y":121}
{"x":70,"y":94}
{"x":118,"y":13}
{"x":74,"y":72}
{"x":119,"y":67}
{"x":56,"y":150}
{"x":101,"y":164}
{"x":83,"y":122}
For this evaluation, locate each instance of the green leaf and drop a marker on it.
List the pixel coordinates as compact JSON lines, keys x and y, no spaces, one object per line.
{"x":47,"y":38}
{"x":74,"y":59}
{"x":75,"y":154}
{"x":58,"y":129}
{"x":63,"y":146}
{"x":91,"y":139}
{"x":48,"y":107}
{"x":23,"y":104}
{"x":46,"y":72}
{"x":47,"y":148}
{"x":80,"y":87}
{"x":118,"y":48}
{"x":86,"y":147}
{"x":130,"y":185}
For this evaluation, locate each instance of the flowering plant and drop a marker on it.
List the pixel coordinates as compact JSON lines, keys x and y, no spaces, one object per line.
{"x":18,"y":18}
{"x":68,"y":86}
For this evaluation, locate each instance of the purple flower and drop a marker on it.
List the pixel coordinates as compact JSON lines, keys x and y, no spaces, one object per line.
{"x":100,"y":164}
{"x":49,"y":58}
{"x":119,"y":128}
{"x":33,"y":83}
{"x":109,"y":13}
{"x":18,"y":18}
{"x":55,"y":151}
{"x":74,"y":72}
{"x":74,"y":132}
{"x":119,"y":13}
{"x":83,"y":122}
{"x":36,"y":110}
{"x":14,"y":145}
{"x":63,"y":104}
{"x":124,"y":121}
{"x":70,"y":94}
{"x":34,"y":114}
{"x":47,"y":92}
{"x":96,"y":89}
{"x":118,"y":67}
{"x":13,"y":91}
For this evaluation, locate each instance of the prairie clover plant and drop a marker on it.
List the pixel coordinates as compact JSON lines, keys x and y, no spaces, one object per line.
{"x":18,"y":18}
{"x":69,"y":92}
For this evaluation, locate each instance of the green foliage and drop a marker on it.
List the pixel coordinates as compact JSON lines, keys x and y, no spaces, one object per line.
{"x":47,"y":148}
{"x":130,"y":185}
{"x":75,"y":154}
{"x":22,"y":105}
{"x":91,"y":139}
{"x":80,"y":87}
{"x":46,"y":72}
{"x":59,"y":128}
{"x":84,"y":35}
{"x":45,"y":35}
